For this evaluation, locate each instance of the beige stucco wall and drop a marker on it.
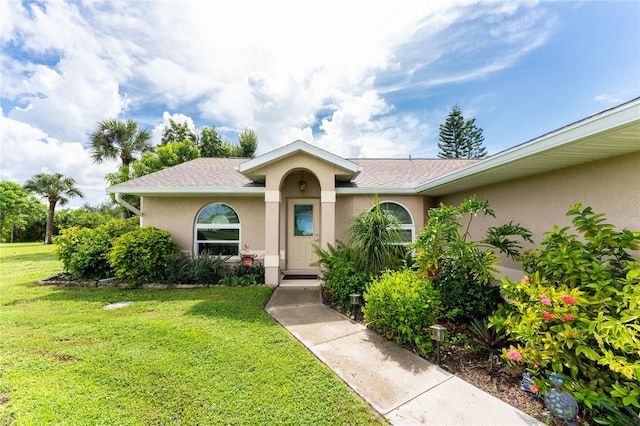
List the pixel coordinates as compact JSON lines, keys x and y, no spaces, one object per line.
{"x":610,"y":186}
{"x":177,"y":215}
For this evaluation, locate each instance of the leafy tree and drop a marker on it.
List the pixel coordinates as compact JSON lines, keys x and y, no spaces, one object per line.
{"x":164,"y":156}
{"x":460,"y":138}
{"x":14,"y":202}
{"x":56,"y":188}
{"x":178,"y":132}
{"x":82,"y":218}
{"x":248,"y":141}
{"x":212,"y":144}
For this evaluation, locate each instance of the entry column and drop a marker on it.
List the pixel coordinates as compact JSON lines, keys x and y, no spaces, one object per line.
{"x":272,"y":237}
{"x":328,"y":218}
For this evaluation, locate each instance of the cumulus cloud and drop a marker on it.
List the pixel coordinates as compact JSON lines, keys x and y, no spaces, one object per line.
{"x":288,"y":69}
{"x":27,"y":150}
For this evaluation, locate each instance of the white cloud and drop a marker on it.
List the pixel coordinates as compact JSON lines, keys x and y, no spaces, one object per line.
{"x":288,"y":69}
{"x":27,"y":150}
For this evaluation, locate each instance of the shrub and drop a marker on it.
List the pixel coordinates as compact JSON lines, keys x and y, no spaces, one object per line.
{"x":142,"y":256}
{"x":204,"y":269}
{"x":340,"y":274}
{"x":374,"y":236}
{"x":244,"y":275}
{"x":576,"y":312}
{"x":84,"y":251}
{"x":399,"y":305}
{"x":461,"y":269}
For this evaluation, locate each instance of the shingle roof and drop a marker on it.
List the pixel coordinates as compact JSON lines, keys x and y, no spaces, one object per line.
{"x":220,"y":173}
{"x":198,"y":173}
{"x":403,"y":173}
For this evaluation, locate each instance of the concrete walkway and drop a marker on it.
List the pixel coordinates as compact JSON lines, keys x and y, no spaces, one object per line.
{"x":404,"y":388}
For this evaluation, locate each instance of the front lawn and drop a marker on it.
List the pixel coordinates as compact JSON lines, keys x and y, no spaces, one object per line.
{"x":200,"y":356}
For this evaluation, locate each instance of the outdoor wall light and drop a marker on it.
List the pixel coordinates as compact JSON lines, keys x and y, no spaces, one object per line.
{"x":355,"y":301}
{"x":302,"y":184}
{"x":437,"y":333}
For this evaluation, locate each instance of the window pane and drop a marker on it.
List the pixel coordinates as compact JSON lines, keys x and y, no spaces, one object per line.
{"x":398,"y":211}
{"x":218,"y":213}
{"x":405,"y":235}
{"x":303,"y":220}
{"x":219,"y":234}
{"x":219,"y":248}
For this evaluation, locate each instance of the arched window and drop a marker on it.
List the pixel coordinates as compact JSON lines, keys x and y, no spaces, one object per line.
{"x":217,"y":230}
{"x":407,"y":229}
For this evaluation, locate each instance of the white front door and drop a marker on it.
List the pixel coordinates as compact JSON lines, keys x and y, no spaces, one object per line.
{"x":303,"y":232}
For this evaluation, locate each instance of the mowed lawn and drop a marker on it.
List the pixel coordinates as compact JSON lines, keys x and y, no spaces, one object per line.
{"x":205,"y":356}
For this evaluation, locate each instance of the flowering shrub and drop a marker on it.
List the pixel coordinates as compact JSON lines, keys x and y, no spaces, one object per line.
{"x":577,"y":312}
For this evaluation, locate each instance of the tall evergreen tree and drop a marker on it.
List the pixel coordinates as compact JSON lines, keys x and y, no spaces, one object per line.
{"x":460,"y":138}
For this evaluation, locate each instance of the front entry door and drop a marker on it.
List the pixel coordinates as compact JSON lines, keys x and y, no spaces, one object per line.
{"x":303,"y":233}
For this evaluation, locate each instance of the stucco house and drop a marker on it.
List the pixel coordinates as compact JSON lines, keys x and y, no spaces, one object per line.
{"x":279,"y":204}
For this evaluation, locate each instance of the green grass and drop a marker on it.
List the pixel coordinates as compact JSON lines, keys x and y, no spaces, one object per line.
{"x":201,"y":356}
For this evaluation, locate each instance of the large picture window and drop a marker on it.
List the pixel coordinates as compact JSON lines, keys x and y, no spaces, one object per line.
{"x":407,"y":228}
{"x":217,"y":231}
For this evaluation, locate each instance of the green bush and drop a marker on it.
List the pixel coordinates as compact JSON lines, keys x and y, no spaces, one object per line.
{"x":340,"y":274}
{"x":577,"y":312}
{"x":464,"y":269}
{"x":464,"y":298}
{"x":84,"y":251}
{"x":142,"y":256}
{"x":204,"y":269}
{"x":400,"y":305}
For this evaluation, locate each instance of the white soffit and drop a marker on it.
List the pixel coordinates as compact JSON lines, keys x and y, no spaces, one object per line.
{"x":607,"y":134}
{"x":248,"y":168}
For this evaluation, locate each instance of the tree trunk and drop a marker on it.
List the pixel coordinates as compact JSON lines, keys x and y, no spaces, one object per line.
{"x":49,"y":230}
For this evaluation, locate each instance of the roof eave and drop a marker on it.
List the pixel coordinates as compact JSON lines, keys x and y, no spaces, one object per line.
{"x":186,"y":192}
{"x":572,"y":134}
{"x":246,"y":168}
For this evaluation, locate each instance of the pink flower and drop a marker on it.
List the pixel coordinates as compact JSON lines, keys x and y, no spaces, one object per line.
{"x":534,"y":389}
{"x":545,"y":300}
{"x":547,"y":315}
{"x":526,"y":280}
{"x":567,"y":317}
{"x":570,"y":300}
{"x":514,"y":355}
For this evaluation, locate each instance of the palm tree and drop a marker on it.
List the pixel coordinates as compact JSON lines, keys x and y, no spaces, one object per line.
{"x":56,"y":188}
{"x":115,"y":139}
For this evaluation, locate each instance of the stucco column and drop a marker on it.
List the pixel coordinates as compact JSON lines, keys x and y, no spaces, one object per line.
{"x":272,"y":237}
{"x":328,"y":221}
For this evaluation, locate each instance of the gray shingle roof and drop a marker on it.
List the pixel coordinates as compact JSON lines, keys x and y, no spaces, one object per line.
{"x":220,"y":173}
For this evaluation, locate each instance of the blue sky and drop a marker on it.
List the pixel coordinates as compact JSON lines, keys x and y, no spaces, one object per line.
{"x":358,"y":78}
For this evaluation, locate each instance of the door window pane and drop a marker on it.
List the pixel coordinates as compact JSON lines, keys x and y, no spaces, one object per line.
{"x":303,"y":220}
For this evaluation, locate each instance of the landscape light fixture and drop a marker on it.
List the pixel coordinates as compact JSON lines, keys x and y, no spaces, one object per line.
{"x":355,"y":301}
{"x":437,"y":334}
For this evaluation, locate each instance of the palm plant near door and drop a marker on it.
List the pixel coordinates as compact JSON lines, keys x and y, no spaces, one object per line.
{"x":375,"y":236}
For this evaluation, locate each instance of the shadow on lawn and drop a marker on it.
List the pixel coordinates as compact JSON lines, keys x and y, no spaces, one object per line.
{"x":207,"y":295}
